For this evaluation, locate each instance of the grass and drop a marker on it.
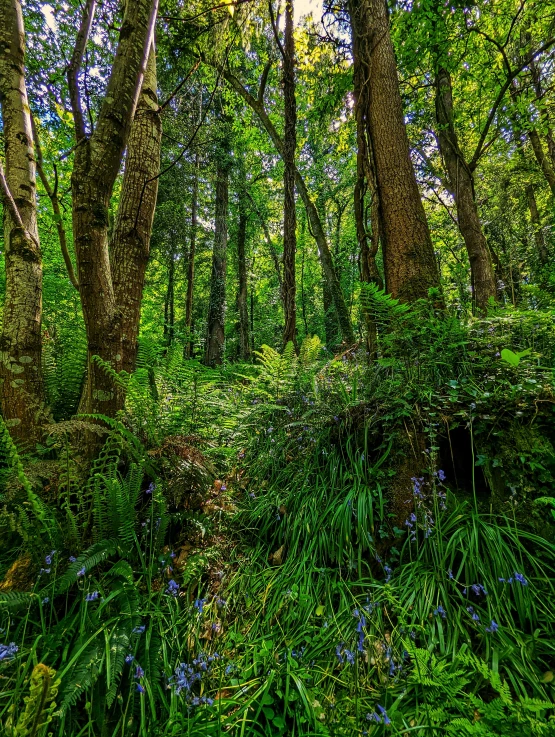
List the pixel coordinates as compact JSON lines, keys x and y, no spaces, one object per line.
{"x":302,"y":604}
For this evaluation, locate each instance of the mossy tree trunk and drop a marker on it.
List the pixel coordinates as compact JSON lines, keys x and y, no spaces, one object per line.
{"x":21,"y":391}
{"x":111,"y":290}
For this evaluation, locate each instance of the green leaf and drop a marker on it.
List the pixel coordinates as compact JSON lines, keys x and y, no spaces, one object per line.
{"x":509,"y":357}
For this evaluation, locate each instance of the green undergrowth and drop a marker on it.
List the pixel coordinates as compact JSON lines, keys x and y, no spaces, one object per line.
{"x":300,"y":546}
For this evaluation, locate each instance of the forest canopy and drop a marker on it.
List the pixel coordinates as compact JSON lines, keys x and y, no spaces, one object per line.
{"x":277,"y":358}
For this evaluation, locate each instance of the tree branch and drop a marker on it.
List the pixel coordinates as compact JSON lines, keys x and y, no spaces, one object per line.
{"x":180,"y":85}
{"x":264,"y":81}
{"x":499,"y":99}
{"x":75,"y":67}
{"x":53,"y":195}
{"x":9,"y":200}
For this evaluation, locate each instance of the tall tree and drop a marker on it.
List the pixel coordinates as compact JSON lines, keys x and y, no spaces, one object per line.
{"x":461,"y":184}
{"x":97,"y":161}
{"x":130,"y":242}
{"x":191,"y":263}
{"x":409,"y":262}
{"x":242,"y":309}
{"x":289,"y":151}
{"x":215,"y":341}
{"x":316,"y":227}
{"x":21,"y":390}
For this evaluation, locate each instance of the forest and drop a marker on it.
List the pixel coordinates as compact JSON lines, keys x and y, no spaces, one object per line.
{"x":277,"y":368}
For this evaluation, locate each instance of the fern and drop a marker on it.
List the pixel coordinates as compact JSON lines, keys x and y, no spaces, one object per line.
{"x":39,"y":705}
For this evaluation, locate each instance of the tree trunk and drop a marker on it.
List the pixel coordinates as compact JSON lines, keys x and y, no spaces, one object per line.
{"x":541,"y":248}
{"x":410,"y":265}
{"x":547,"y":168}
{"x":21,"y":391}
{"x":461,"y":182}
{"x":289,"y":207}
{"x":191,"y":265}
{"x":130,"y":243}
{"x":170,"y":301}
{"x":368,"y":240}
{"x":215,"y":342}
{"x":96,"y":166}
{"x":315,"y":224}
{"x":244,"y":343}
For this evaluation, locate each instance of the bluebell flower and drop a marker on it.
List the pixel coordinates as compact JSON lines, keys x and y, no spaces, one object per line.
{"x":473,"y":614}
{"x":223,"y":487}
{"x":44,"y":570}
{"x":199,"y":605}
{"x":72,"y":559}
{"x":440,"y":611}
{"x":139,"y":629}
{"x":129,"y":659}
{"x":81,"y":572}
{"x":388,"y":572}
{"x":139,"y":672}
{"x":441,"y":475}
{"x":373,"y":717}
{"x":7,"y":652}
{"x":493,"y":627}
{"x":520,"y":578}
{"x":450,"y":574}
{"x":140,"y":689}
{"x":349,"y":656}
{"x":173,"y":587}
{"x":45,"y":600}
{"x":48,"y":559}
{"x":172,"y":554}
{"x":338,"y":653}
{"x":386,"y":719}
{"x":478,"y":589}
{"x":93,"y":596}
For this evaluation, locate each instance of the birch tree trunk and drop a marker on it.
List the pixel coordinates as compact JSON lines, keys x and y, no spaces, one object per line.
{"x":410,"y":265}
{"x":461,"y":182}
{"x":21,"y":391}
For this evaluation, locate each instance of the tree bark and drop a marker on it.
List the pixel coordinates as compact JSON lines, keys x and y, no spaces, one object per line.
{"x":215,"y":343}
{"x":410,"y":265}
{"x":96,"y":166}
{"x":366,"y":187}
{"x":461,"y":181}
{"x":169,"y":326}
{"x":130,"y":243}
{"x":21,"y":391}
{"x":289,"y":207}
{"x":539,"y":239}
{"x":315,"y":225}
{"x":191,"y":265}
{"x":244,"y":342}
